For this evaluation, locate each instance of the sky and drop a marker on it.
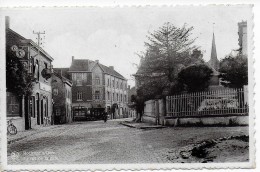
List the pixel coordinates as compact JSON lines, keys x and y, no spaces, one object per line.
{"x":115,"y":36}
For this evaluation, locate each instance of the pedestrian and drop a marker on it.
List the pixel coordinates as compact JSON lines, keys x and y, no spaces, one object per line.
{"x":105,"y":116}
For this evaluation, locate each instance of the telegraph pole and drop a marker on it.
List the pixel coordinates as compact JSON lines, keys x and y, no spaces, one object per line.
{"x":39,"y":39}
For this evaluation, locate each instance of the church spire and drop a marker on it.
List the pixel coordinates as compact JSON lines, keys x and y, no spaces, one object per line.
{"x":214,"y":62}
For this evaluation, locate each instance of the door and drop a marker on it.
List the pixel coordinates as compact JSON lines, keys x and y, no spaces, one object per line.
{"x":37,"y":110}
{"x":41,"y":112}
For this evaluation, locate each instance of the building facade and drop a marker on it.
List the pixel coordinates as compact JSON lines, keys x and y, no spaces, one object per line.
{"x":97,"y":88}
{"x":27,"y":112}
{"x":62,"y":99}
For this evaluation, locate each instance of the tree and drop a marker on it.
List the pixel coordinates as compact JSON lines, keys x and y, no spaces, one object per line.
{"x":234,"y":71}
{"x":168,"y":50}
{"x":195,"y":77}
{"x":18,"y":80}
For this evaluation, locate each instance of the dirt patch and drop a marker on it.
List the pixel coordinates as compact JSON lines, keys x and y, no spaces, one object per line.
{"x":227,"y":149}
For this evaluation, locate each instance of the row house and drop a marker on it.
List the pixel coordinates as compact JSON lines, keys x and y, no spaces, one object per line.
{"x":62,"y":95}
{"x":97,"y":88}
{"x":27,"y":112}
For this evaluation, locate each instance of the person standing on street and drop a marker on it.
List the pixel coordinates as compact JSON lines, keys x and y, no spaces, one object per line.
{"x":105,"y":116}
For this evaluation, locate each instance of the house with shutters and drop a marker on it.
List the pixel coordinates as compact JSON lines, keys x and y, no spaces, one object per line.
{"x":95,"y":88}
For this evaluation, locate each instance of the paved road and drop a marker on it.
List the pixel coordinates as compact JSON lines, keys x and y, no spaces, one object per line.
{"x":99,"y":142}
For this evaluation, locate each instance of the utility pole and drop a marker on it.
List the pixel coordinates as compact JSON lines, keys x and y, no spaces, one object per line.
{"x":39,"y":39}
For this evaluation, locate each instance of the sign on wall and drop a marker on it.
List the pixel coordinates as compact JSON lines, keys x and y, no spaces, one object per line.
{"x":45,"y":87}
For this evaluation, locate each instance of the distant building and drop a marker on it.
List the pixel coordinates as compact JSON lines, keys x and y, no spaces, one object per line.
{"x":242,"y":40}
{"x":62,"y":98}
{"x":96,"y":88}
{"x":27,"y":112}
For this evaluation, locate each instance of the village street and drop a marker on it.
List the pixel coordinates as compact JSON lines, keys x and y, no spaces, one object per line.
{"x":111,"y":142}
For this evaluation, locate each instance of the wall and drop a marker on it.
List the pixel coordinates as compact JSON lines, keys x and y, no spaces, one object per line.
{"x":149,"y":112}
{"x":207,"y":121}
{"x":154,"y":113}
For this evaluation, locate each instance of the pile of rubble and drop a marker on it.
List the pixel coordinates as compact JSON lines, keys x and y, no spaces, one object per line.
{"x":233,"y":148}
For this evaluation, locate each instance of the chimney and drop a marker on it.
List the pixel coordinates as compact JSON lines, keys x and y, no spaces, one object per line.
{"x":7,"y":22}
{"x":72,"y":58}
{"x":111,"y":67}
{"x":97,"y":61}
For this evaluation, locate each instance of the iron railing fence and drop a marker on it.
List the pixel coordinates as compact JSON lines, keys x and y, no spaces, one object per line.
{"x":226,"y":102}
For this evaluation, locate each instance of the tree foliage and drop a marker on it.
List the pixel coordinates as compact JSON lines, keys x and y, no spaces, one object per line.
{"x":18,"y":80}
{"x":168,"y":50}
{"x":195,"y":77}
{"x":234,"y":71}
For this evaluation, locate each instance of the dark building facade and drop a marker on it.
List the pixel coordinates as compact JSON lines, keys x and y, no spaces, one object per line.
{"x":62,"y":98}
{"x":27,"y":112}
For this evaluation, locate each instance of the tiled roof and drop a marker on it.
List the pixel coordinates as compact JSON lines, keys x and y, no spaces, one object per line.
{"x":87,"y":65}
{"x":79,"y":65}
{"x":63,"y":71}
{"x":110,"y":71}
{"x":64,"y":79}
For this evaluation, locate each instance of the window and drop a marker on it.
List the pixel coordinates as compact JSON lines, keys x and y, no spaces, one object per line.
{"x":113,"y":83}
{"x":57,"y":112}
{"x":68,"y":94}
{"x":117,"y":98}
{"x":31,"y":65}
{"x":79,"y":79}
{"x":121,"y":85}
{"x":116,"y":84}
{"x":32,"y":106}
{"x":121,"y":98}
{"x":97,"y":80}
{"x":55,"y":92}
{"x":45,"y":65}
{"x":125,"y":98}
{"x":108,"y":82}
{"x":79,"y":95}
{"x":97,"y":95}
{"x":108,"y":95}
{"x":36,"y":70}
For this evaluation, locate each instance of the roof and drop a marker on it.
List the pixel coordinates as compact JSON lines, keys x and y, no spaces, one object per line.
{"x":29,"y":41}
{"x":63,"y":72}
{"x":62,"y":78}
{"x":85,"y":65}
{"x":110,"y":71}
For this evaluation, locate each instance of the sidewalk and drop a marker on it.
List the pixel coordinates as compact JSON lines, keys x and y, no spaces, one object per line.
{"x":141,"y":125}
{"x":23,"y":134}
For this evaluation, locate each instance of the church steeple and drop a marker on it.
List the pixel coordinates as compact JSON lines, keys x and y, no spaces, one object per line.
{"x":214,"y":62}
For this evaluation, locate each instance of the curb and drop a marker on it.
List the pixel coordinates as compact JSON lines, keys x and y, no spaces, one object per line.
{"x":142,"y":127}
{"x":128,"y":125}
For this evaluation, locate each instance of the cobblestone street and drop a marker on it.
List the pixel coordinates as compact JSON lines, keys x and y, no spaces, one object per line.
{"x":111,"y":142}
